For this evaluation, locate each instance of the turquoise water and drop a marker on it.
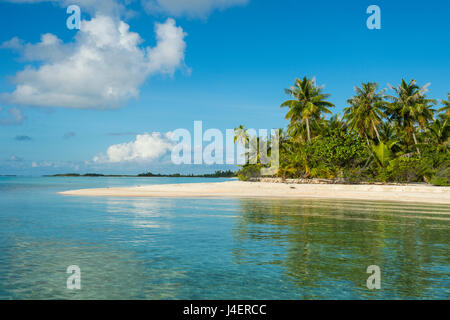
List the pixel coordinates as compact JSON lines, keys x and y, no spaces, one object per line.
{"x":137,"y":248}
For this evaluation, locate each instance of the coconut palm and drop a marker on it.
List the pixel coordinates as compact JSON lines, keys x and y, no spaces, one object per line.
{"x":365,"y":111}
{"x":241,"y":135}
{"x":387,"y":131}
{"x":336,"y":122}
{"x":410,"y":107}
{"x":309,"y":104}
{"x":446,"y":104}
{"x":438,"y":134}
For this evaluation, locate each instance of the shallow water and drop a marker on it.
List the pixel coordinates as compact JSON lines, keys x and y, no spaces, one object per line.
{"x":138,"y":248}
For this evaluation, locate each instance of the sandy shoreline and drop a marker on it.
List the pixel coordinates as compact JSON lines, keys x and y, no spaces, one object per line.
{"x":238,"y":189}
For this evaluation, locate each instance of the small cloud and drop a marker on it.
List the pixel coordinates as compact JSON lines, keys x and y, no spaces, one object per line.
{"x":108,"y":7}
{"x":191,"y":8}
{"x":13,"y":44}
{"x":15,"y":158}
{"x":13,"y":117}
{"x":44,"y":164}
{"x":122,"y":134}
{"x":69,"y":135}
{"x":23,"y":138}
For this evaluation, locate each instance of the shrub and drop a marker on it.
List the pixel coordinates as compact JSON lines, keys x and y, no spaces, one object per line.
{"x":336,"y":149}
{"x":441,"y":176}
{"x":357,"y":175}
{"x":322,"y":171}
{"x":249,"y":171}
{"x":409,"y":170}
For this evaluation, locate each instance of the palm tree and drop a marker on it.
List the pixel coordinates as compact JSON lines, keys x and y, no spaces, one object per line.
{"x":446,"y":104}
{"x":308,"y":104}
{"x":438,"y":134}
{"x":387,"y":131}
{"x":336,"y":122}
{"x":364,"y":113}
{"x":410,"y":107}
{"x":241,"y":135}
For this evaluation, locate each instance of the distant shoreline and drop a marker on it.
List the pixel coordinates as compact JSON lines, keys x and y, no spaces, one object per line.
{"x":217,"y":174}
{"x":239,"y":189}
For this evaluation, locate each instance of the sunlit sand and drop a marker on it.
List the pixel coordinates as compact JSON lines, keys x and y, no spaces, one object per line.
{"x":238,"y":189}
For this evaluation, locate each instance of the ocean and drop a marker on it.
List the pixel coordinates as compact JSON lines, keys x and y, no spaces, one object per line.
{"x":174,"y":248}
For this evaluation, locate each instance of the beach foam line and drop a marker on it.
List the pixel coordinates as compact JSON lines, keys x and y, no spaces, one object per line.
{"x":240,"y":189}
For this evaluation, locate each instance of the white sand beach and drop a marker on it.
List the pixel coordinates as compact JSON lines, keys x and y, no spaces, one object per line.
{"x":239,"y":189}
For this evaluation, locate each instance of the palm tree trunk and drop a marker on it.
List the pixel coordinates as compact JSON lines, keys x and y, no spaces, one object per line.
{"x":415,"y":142}
{"x":376,"y":131}
{"x":307,"y":130}
{"x":367,"y":140}
{"x":370,"y":150}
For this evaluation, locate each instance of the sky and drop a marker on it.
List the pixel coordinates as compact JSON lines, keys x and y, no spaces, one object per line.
{"x":107,"y":97}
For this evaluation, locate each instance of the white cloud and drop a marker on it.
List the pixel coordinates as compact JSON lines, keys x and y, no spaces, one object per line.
{"x":191,"y":8}
{"x":15,"y":158}
{"x":14,"y":44}
{"x":14,"y":116}
{"x":109,"y":7}
{"x":146,"y":147}
{"x":50,"y":48}
{"x":103,"y":68}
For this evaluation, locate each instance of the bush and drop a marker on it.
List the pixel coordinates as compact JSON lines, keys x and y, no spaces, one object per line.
{"x":408,"y":170}
{"x":357,"y":175}
{"x":440,"y":182}
{"x":249,"y":171}
{"x":322,"y":172}
{"x":441,"y":176}
{"x":337,"y":149}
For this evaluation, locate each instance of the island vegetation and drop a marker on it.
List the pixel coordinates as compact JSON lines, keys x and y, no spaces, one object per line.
{"x":217,"y":174}
{"x":395,"y":135}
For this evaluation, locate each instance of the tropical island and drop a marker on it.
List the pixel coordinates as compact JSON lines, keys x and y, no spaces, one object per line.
{"x":396,"y":138}
{"x":385,"y":147}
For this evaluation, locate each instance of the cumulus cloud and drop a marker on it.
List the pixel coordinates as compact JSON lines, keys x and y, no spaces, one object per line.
{"x":12,"y":116}
{"x":50,"y":48}
{"x":103,"y":68}
{"x":191,"y":8}
{"x":145,"y":147}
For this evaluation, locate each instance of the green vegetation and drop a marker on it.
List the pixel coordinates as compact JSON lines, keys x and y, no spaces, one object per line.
{"x":217,"y":174}
{"x":381,"y":138}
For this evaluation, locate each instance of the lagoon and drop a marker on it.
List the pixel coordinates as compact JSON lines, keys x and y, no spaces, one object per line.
{"x":176,"y":248}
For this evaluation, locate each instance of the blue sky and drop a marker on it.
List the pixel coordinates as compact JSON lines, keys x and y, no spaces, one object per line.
{"x":235,"y":62}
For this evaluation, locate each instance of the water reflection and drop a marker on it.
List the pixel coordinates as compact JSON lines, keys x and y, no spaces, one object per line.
{"x":140,"y":212}
{"x":327,"y":245}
